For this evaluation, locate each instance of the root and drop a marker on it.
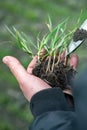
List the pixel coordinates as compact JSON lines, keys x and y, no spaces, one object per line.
{"x":49,"y":64}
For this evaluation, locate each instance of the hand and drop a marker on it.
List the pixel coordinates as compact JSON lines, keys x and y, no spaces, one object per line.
{"x":30,"y":84}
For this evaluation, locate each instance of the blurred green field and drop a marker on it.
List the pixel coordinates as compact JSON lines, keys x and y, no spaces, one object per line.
{"x":29,"y":16}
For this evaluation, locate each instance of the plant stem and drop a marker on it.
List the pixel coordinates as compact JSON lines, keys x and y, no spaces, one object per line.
{"x":49,"y":63}
{"x":53,"y":63}
{"x":66,"y":60}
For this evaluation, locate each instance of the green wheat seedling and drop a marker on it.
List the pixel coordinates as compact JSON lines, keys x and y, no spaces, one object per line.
{"x":55,"y":42}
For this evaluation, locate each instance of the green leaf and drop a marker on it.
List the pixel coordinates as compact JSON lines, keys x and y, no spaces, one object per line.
{"x":49,"y":25}
{"x":21,"y":42}
{"x":28,"y":39}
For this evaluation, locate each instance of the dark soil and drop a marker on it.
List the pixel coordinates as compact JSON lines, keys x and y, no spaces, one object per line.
{"x":61,"y":76}
{"x":80,"y":34}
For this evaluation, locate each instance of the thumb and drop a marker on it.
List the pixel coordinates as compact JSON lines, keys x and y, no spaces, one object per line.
{"x":26,"y":81}
{"x":16,"y":68}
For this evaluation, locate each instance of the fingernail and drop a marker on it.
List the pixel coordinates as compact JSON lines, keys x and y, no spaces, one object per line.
{"x":5,"y":59}
{"x":35,"y":57}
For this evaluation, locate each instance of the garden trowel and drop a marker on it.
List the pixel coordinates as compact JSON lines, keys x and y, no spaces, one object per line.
{"x":76,"y":43}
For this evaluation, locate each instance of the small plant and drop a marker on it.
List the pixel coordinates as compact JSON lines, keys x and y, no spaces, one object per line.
{"x":49,"y":66}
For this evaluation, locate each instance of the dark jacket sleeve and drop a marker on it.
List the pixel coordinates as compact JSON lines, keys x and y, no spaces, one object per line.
{"x":80,"y":96}
{"x":51,"y":111}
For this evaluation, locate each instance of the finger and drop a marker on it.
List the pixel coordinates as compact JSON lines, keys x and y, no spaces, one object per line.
{"x":42,"y":52}
{"x":32,"y":65}
{"x":33,"y":62}
{"x":74,"y":61}
{"x":16,"y":68}
{"x":67,"y":91}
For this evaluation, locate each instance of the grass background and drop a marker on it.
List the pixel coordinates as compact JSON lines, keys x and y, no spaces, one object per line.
{"x":29,"y":16}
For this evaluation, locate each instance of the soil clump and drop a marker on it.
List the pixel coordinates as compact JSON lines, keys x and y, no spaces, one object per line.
{"x":61,"y":76}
